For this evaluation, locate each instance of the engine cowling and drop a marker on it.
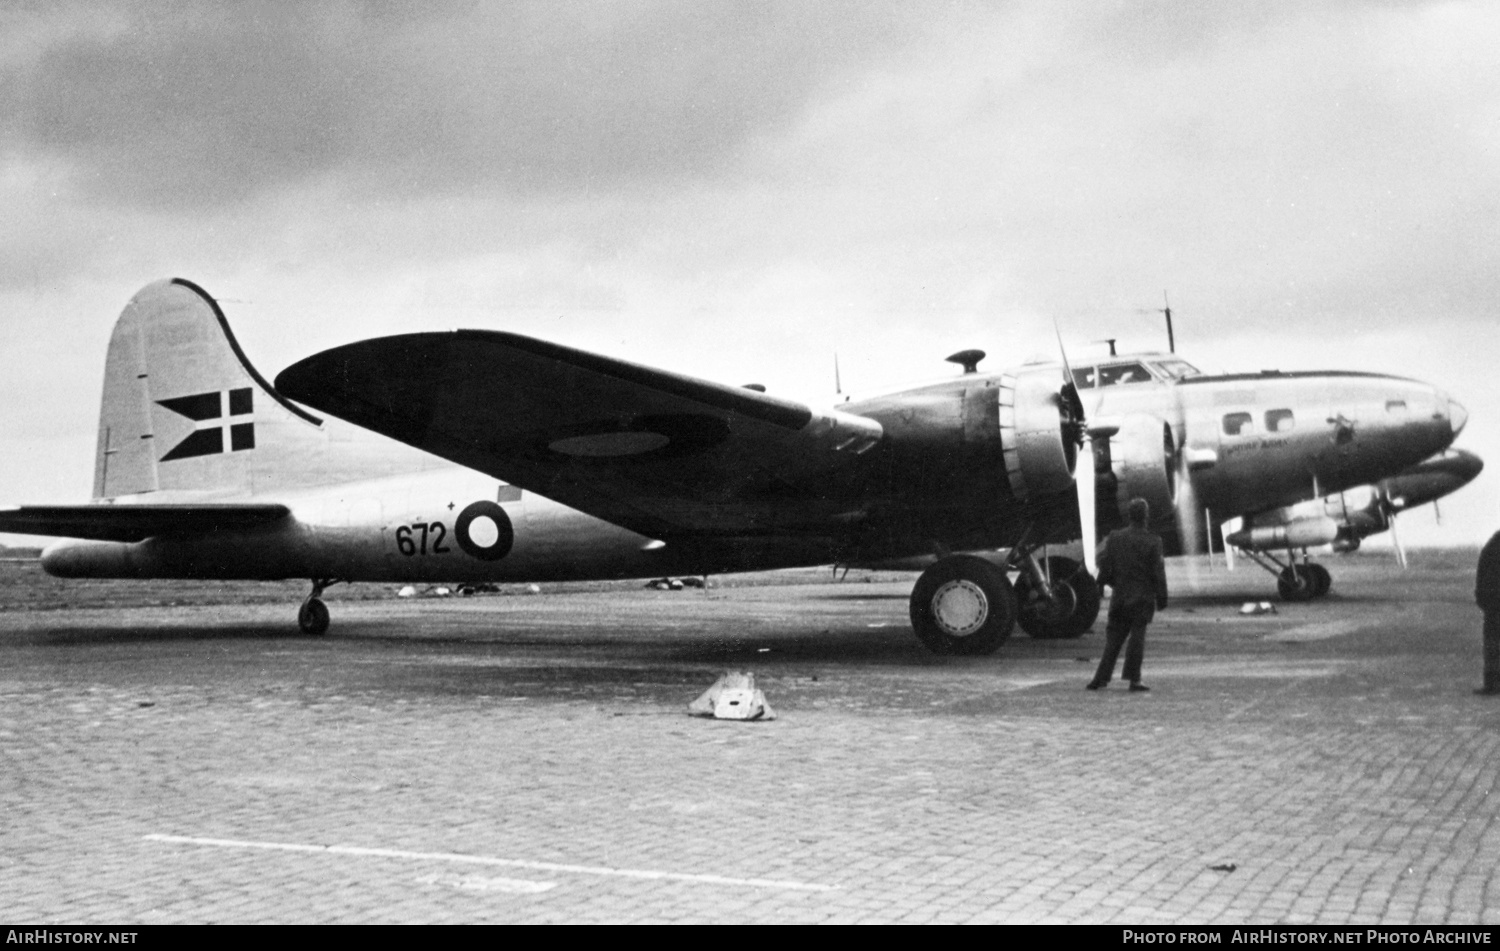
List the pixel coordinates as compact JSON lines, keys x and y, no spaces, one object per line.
{"x":1141,"y":455}
{"x":1038,"y":455}
{"x":1303,"y":533}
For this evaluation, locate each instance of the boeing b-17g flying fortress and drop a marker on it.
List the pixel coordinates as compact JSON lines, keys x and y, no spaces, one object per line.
{"x":483,"y":456}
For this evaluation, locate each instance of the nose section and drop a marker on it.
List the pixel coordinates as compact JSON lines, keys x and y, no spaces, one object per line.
{"x":1460,"y":464}
{"x":1457,"y":416}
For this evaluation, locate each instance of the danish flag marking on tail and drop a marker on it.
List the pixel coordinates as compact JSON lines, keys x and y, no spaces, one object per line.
{"x":216,"y":430}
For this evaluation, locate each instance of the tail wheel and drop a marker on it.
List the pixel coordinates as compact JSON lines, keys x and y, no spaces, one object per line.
{"x":1073,"y":608}
{"x":1297,"y":584}
{"x":312,"y":617}
{"x":963,"y":605}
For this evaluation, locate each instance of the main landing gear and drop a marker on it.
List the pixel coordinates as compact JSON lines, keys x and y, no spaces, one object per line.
{"x":966,"y":605}
{"x":1073,"y":604}
{"x":1294,"y":581}
{"x":312,"y":617}
{"x":963,"y":605}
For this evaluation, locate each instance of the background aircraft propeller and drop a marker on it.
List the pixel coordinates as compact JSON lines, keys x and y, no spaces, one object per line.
{"x":1388,"y":508}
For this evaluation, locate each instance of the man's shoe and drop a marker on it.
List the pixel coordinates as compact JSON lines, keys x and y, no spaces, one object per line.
{"x":1139,"y":687}
{"x":1093,"y":685}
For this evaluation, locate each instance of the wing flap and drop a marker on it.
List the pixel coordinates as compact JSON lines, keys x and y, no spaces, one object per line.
{"x":656,"y":452}
{"x":133,"y":523}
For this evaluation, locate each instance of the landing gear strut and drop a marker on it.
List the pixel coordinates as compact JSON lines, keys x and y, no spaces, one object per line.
{"x":1294,"y":581}
{"x":312,"y":617}
{"x":1073,"y":604}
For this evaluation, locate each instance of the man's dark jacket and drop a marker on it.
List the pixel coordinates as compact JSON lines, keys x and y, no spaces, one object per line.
{"x":1132,"y":565}
{"x":1487,"y":578}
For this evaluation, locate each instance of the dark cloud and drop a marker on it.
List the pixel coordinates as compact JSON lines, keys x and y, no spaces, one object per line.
{"x":193,"y":106}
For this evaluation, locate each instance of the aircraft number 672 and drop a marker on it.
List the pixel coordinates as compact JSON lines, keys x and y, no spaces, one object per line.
{"x":409,"y":545}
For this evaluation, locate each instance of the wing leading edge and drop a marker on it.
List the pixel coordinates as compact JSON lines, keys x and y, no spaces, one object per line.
{"x":133,"y":523}
{"x":657,"y":452}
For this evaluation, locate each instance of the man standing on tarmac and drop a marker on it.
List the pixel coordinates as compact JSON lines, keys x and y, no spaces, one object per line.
{"x":1131,"y":564}
{"x":1487,"y":596}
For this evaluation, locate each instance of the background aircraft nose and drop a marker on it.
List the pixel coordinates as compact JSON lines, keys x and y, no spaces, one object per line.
{"x":1457,"y":416}
{"x":1462,"y":464}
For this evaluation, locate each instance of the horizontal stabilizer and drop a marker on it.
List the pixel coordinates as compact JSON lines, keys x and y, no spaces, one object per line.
{"x":133,"y":523}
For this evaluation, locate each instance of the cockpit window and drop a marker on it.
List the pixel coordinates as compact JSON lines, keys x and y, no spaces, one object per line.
{"x":1123,"y":373}
{"x":1236,"y":424}
{"x":1175,"y":369}
{"x":1395,"y":406}
{"x":1083,"y":378}
{"x":1280,"y":421}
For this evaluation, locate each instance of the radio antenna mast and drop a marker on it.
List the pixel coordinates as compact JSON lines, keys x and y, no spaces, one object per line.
{"x":1171,"y":340}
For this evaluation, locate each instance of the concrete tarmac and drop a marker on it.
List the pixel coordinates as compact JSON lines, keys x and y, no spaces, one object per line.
{"x":528,"y":758}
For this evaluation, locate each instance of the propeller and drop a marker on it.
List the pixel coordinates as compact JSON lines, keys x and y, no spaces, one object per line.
{"x":1076,"y":430}
{"x":1229,"y":528}
{"x":1396,"y":541}
{"x":1388,"y":508}
{"x":1191,"y":521}
{"x":1191,"y":524}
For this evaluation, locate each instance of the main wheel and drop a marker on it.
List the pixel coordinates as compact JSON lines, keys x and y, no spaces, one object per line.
{"x":1076,"y":604}
{"x":312,"y":617}
{"x":963,"y":605}
{"x":1297,"y":584}
{"x":1322,"y":580}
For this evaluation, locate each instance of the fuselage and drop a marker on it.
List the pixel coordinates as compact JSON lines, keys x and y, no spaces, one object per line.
{"x":1265,"y":440}
{"x":945,"y":475}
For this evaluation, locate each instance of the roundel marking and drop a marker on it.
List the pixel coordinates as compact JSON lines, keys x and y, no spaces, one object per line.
{"x":484,"y":531}
{"x":602,"y":445}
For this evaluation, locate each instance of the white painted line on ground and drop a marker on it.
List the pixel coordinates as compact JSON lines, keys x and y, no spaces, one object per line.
{"x":487,"y":860}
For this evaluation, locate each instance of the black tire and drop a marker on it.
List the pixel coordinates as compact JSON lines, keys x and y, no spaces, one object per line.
{"x":1322,"y":580}
{"x":1296,"y":584}
{"x":312,"y":617}
{"x":1077,"y":592}
{"x":963,"y":605}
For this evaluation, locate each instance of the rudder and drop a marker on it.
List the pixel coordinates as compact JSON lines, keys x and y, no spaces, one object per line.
{"x":181,"y":403}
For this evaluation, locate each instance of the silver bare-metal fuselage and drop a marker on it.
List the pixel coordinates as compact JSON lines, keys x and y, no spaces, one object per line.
{"x":1262,"y":441}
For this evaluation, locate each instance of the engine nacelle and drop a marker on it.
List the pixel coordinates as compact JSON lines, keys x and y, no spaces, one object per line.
{"x":1141,"y":457}
{"x":1303,"y":533}
{"x":1038,"y":458}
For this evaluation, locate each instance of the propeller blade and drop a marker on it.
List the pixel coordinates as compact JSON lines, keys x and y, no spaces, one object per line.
{"x":1396,"y":541}
{"x":1083,"y":459}
{"x":1227,"y":529}
{"x":1087,"y":524}
{"x":1190,"y":521}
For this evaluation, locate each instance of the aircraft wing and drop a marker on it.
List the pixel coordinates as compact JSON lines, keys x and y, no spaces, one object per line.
{"x":656,"y":452}
{"x":133,"y":523}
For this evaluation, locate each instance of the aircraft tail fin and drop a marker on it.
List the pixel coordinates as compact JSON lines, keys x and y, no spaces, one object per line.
{"x":183,"y":409}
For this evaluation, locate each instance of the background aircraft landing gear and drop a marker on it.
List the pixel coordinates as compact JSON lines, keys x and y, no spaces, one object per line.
{"x":312,"y":617}
{"x":963,"y":605}
{"x":1296,"y":583}
{"x":1303,"y":582}
{"x":1073,"y":607}
{"x":1322,"y":580}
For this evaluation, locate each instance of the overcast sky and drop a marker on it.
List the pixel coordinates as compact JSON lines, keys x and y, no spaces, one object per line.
{"x":737,"y":190}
